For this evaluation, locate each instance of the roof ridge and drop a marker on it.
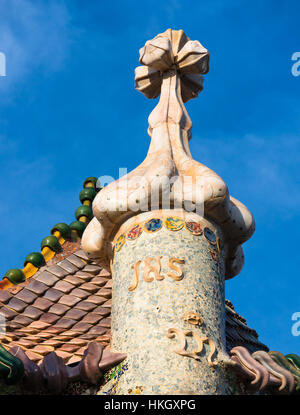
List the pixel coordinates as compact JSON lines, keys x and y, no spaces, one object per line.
{"x":59,"y":234}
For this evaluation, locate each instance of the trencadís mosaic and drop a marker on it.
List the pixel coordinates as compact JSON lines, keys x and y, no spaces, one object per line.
{"x":173,"y":224}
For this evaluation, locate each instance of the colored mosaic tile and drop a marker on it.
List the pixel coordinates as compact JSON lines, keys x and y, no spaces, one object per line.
{"x":120,"y":242}
{"x":173,"y":223}
{"x":152,"y":225}
{"x":194,"y":228}
{"x":134,"y":232}
{"x":210,"y":236}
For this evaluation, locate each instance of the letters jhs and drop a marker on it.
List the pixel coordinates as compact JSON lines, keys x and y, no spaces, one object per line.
{"x":152,"y":270}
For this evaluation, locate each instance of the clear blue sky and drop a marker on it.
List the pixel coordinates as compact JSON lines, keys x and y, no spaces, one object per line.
{"x":68,"y":110}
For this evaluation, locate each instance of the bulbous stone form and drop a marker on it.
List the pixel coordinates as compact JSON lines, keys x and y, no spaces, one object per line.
{"x":173,"y":65}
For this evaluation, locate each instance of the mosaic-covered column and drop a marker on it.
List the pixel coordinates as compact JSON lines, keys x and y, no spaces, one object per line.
{"x":168,"y":307}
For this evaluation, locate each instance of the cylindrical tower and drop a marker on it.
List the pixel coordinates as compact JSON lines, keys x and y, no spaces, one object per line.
{"x":168,"y":304}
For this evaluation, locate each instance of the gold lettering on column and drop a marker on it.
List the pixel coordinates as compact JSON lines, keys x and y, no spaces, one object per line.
{"x":152,"y":269}
{"x":181,"y":334}
{"x":152,"y":265}
{"x":136,"y":276}
{"x":172,"y":262}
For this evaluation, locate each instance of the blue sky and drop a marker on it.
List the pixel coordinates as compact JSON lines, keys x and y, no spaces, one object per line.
{"x":68,"y":110}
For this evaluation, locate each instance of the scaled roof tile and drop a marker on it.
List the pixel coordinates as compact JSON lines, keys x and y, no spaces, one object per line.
{"x":8,"y":313}
{"x":37,"y":287}
{"x":72,"y":279}
{"x":96,"y":299}
{"x":53,"y":295}
{"x":63,"y":286}
{"x":75,"y":314}
{"x":76,"y":261}
{"x":91,"y":288}
{"x":82,"y":327}
{"x":92,"y":269}
{"x":56,"y":270}
{"x":5,"y":296}
{"x":47,"y":278}
{"x":77,"y":292}
{"x":85,"y":305}
{"x":17,"y":304}
{"x":67,"y":266}
{"x":100,"y":281}
{"x":104,"y":273}
{"x":69,"y":300}
{"x":32,"y":312}
{"x":65,"y":323}
{"x":26,"y":295}
{"x":81,"y":254}
{"x":42,"y":303}
{"x":84,"y":275}
{"x":92,"y":318}
{"x":49,"y":318}
{"x":59,"y":309}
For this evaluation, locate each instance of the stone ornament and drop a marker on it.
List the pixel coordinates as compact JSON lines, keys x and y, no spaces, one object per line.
{"x":167,"y":51}
{"x":53,"y":375}
{"x":172,"y":66}
{"x":192,"y":318}
{"x":181,"y":334}
{"x":262,"y":370}
{"x":285,"y":377}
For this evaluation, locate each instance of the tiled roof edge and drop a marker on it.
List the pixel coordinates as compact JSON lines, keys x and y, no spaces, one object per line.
{"x":52,"y":244}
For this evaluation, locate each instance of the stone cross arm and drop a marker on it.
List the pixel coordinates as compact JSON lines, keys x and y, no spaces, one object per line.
{"x":172,"y":50}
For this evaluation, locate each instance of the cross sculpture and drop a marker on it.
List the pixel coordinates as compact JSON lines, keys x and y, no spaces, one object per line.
{"x":169,"y":260}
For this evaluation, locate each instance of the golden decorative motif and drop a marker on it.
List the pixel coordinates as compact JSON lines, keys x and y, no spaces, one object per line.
{"x":182,"y":334}
{"x":193,"y":318}
{"x":152,"y":269}
{"x":155,"y":269}
{"x":137,"y":391}
{"x":172,"y":262}
{"x":136,"y":276}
